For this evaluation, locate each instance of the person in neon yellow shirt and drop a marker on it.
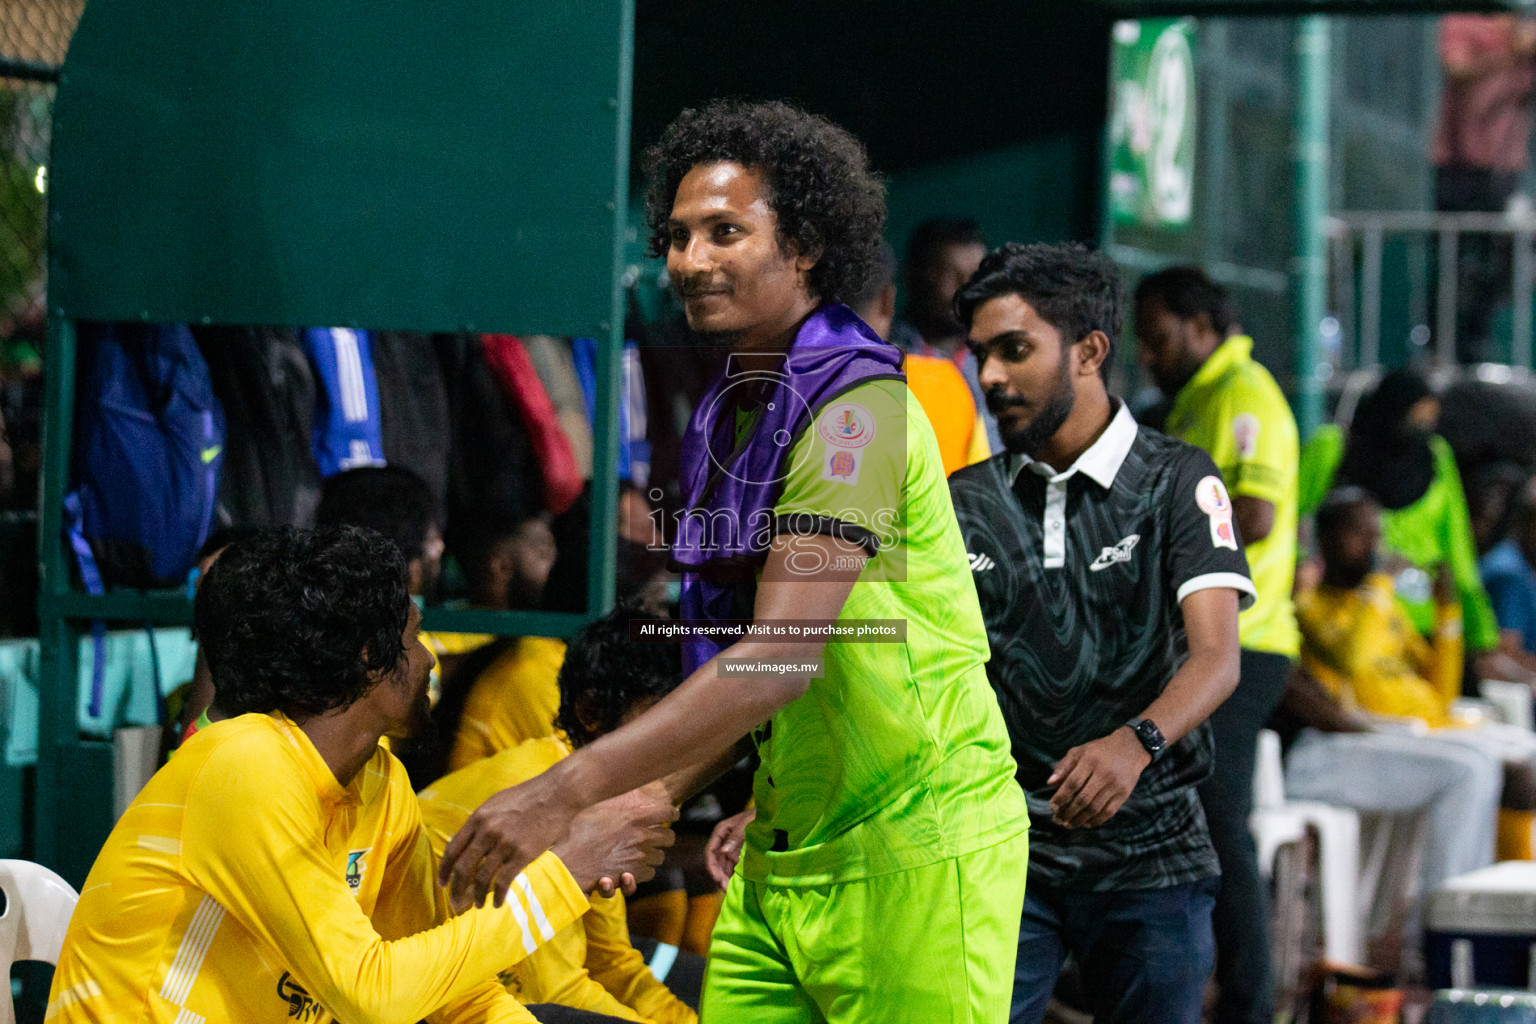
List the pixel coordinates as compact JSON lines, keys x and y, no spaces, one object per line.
{"x":1228,"y":404}
{"x":1392,"y":452}
{"x":277,"y":866}
{"x":591,"y":964}
{"x":884,"y":874}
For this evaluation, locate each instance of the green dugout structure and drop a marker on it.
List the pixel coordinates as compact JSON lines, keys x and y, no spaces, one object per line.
{"x":427,"y":167}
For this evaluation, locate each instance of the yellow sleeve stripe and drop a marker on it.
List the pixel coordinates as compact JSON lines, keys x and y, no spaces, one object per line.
{"x":186,"y":1016}
{"x":70,"y":996}
{"x":160,"y":844}
{"x":194,"y":947}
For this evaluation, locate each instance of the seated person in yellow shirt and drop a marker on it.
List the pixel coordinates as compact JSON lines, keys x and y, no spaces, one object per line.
{"x":1357,"y":641}
{"x":397,"y":504}
{"x":499,"y":696}
{"x":606,"y":680}
{"x":1361,"y":647}
{"x":277,"y":867}
{"x":505,"y":693}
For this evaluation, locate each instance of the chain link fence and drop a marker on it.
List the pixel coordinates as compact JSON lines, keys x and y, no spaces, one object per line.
{"x":34,"y":36}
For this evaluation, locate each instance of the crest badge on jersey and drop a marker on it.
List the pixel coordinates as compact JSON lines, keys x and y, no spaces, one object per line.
{"x":1211,"y":497}
{"x":1245,"y":432}
{"x":356,"y":868}
{"x":842,"y":465}
{"x":846,"y":425}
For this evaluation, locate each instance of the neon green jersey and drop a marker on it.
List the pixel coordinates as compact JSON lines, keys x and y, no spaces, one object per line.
{"x":1234,"y":410}
{"x":898,"y":757}
{"x":1433,"y":531}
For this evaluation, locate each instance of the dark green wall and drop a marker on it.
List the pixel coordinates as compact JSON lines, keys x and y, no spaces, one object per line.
{"x":1045,"y":190}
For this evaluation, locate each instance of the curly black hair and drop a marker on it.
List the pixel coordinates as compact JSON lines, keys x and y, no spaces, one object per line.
{"x":606,"y":674}
{"x":302,"y":621}
{"x":1075,"y":289}
{"x":826,"y":198}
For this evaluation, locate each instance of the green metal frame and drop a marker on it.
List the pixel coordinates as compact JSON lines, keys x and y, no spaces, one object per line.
{"x":1311,"y":129}
{"x":94,"y":203}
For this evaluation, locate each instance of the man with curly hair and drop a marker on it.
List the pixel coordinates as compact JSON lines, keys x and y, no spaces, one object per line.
{"x":278,"y":866}
{"x":883,"y":876}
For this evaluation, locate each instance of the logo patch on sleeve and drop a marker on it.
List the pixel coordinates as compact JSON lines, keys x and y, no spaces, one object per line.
{"x":1211,"y":497}
{"x":1245,"y":431}
{"x":842,"y":465}
{"x":846,"y":425}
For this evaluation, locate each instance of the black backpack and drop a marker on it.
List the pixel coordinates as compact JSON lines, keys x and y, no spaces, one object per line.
{"x":492,"y":468}
{"x":264,"y":381}
{"x":413,"y":409}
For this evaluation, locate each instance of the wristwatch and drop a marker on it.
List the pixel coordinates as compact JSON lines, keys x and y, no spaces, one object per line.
{"x":1149,"y":734}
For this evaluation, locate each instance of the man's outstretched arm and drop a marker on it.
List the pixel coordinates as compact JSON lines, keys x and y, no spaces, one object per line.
{"x":697,"y":722}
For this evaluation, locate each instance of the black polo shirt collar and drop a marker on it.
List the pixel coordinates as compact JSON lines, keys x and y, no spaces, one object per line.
{"x":1100,"y":463}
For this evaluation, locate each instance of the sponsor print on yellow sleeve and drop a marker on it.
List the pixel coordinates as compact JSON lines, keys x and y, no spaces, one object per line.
{"x":1211,"y":497}
{"x":356,"y":866}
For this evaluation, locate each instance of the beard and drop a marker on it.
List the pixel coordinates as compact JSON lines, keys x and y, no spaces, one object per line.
{"x":1180,"y":375}
{"x":717,"y":339}
{"x":1029,"y":438}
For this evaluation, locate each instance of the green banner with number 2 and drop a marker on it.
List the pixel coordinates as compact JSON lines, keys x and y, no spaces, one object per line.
{"x":1152,"y":122}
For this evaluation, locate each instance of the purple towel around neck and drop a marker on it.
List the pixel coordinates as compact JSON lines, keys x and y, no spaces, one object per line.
{"x":730,"y":489}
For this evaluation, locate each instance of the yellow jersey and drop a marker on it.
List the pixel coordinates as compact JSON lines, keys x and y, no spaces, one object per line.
{"x":1364,"y":649}
{"x":515,"y":699}
{"x":245,"y":883}
{"x":589,"y":965}
{"x":1234,"y":410}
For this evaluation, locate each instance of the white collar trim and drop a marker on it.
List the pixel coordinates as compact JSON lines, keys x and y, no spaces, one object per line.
{"x":1101,"y":462}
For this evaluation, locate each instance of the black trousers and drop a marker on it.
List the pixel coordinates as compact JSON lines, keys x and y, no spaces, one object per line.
{"x":1241,"y":920}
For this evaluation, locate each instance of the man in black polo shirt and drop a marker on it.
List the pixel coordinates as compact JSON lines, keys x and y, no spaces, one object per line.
{"x":1110,"y":575}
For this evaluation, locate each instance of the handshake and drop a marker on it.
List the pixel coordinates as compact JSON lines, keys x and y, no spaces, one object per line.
{"x":620,"y":842}
{"x":610,"y":846}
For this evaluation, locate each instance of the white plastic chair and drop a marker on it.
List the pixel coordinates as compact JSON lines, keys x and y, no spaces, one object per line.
{"x":1511,"y":701}
{"x":1277,"y":822}
{"x":38,"y":905}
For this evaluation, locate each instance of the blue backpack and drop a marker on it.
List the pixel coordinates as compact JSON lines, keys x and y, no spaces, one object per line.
{"x":149,"y":443}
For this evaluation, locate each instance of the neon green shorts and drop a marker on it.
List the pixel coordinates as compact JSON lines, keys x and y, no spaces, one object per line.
{"x":934,"y":945}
